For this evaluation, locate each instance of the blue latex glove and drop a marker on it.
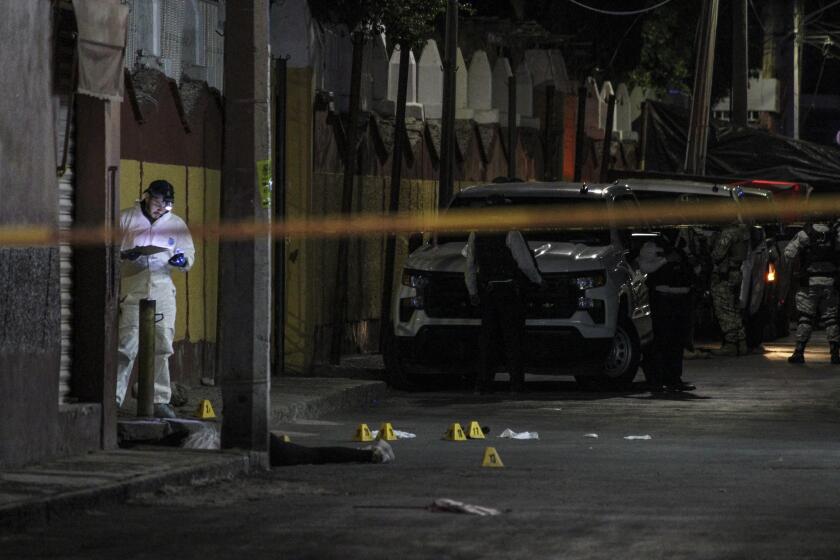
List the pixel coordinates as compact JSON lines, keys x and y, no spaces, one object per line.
{"x":178,"y":260}
{"x":130,"y":255}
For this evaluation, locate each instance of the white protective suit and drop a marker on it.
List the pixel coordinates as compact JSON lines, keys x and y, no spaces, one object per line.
{"x":149,"y":277}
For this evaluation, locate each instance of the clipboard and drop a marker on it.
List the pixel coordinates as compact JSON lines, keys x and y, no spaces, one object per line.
{"x":148,"y":250}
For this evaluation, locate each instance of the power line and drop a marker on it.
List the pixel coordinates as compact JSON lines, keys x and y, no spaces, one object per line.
{"x":810,"y":17}
{"x":614,"y":13}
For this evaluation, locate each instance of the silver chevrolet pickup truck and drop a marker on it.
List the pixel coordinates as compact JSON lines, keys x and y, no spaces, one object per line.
{"x":591,"y":322}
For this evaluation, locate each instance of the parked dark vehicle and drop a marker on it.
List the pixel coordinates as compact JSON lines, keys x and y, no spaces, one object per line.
{"x":766,"y":314}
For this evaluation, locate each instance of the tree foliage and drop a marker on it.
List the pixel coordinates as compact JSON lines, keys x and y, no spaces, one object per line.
{"x":360,"y":16}
{"x":411,"y":22}
{"x":667,"y":50}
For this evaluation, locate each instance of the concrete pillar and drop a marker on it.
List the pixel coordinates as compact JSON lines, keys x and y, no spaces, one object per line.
{"x":413,"y":110}
{"x":480,"y":89}
{"x":374,"y":59}
{"x":501,"y":74}
{"x":430,"y":81}
{"x":637,"y":97}
{"x":245,"y":266}
{"x":379,"y":69}
{"x":561,"y":76}
{"x":623,"y":126}
{"x":539,"y":63}
{"x":462,"y":109}
{"x":525,"y":97}
{"x":606,"y":91}
{"x":96,"y":282}
{"x":595,"y":110}
{"x":292,"y":33}
{"x":338,"y":61}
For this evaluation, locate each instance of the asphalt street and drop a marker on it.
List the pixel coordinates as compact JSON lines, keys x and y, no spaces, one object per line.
{"x":748,"y":466}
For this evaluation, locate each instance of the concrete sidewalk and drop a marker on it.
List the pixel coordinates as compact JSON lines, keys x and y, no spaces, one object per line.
{"x":36,"y":494}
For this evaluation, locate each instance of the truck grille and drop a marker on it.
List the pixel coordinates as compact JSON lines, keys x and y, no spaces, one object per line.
{"x":446,"y":297}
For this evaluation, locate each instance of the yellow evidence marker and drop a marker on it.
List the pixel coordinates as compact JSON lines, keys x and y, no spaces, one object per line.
{"x":386,"y":432}
{"x":475,"y":431}
{"x":491,"y":458}
{"x":455,"y":433}
{"x":205,"y":410}
{"x":363,"y":433}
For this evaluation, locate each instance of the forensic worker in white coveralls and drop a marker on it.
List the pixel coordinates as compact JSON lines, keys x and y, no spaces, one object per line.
{"x":155,"y":242}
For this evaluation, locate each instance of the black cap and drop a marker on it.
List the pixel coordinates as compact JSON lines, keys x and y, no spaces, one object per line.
{"x":163,"y":189}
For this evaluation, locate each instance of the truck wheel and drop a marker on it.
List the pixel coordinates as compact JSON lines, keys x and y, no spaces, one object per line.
{"x":624,"y":357}
{"x":396,"y":372}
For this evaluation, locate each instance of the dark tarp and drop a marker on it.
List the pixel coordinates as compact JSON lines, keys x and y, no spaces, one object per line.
{"x":740,"y":153}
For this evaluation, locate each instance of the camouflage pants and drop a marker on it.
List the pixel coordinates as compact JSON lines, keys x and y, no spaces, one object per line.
{"x":813,"y":303}
{"x":725,"y":299}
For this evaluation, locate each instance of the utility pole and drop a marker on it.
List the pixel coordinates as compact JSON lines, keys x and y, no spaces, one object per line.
{"x":245,"y":266}
{"x":798,"y":37}
{"x":280,"y":215}
{"x":740,"y":64}
{"x":512,"y":128}
{"x":698,"y":129}
{"x":394,"y":202}
{"x":605,"y":148}
{"x":447,"y":137}
{"x":350,"y":155}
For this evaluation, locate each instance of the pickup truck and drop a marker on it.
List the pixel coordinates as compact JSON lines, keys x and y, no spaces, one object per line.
{"x":592,"y":321}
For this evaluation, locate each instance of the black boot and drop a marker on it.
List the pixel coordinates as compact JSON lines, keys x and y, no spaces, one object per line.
{"x":798,"y":356}
{"x":835,"y":352}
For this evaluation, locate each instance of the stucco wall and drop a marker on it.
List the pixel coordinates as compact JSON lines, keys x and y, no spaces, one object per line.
{"x":29,"y":284}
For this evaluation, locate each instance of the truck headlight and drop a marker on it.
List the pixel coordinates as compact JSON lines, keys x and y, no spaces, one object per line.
{"x":590,"y":281}
{"x":412,"y":279}
{"x":408,"y":305}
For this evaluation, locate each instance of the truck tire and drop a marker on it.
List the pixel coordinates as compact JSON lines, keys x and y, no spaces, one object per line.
{"x":623,"y":361}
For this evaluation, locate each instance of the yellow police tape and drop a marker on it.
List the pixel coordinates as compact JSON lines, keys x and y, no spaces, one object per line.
{"x":651,"y":214}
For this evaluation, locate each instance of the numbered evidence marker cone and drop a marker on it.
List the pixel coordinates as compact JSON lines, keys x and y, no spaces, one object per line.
{"x":363,"y":433}
{"x":475,"y":431}
{"x":491,"y":458}
{"x":386,"y":432}
{"x":205,"y":410}
{"x":455,"y":433}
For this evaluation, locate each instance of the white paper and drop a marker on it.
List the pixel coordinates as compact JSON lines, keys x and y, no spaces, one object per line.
{"x":398,"y":433}
{"x":508,"y":433}
{"x":638,"y":437}
{"x":593,"y":436}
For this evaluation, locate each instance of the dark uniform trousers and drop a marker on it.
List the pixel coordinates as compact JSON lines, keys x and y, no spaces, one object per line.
{"x":671,"y":315}
{"x":502,"y":320}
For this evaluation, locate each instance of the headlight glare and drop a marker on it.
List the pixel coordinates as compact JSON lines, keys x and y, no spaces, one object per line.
{"x":590,"y":281}
{"x":414,"y":280}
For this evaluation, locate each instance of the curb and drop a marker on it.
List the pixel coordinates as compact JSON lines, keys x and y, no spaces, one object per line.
{"x":354,"y":394}
{"x":40,"y":512}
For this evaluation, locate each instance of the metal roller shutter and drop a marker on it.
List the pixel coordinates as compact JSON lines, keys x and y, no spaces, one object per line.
{"x":66,"y":198}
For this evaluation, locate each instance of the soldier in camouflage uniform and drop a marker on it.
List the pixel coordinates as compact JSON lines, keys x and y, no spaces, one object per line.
{"x":729,"y":252}
{"x":818,"y":245}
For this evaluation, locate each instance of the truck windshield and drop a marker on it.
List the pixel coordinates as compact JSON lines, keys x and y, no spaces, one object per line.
{"x":588,"y":236}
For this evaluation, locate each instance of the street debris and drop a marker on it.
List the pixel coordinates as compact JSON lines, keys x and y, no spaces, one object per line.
{"x":508,"y":433}
{"x":638,"y":437}
{"x":445,"y":505}
{"x":205,"y":438}
{"x":593,"y":436}
{"x":399,"y":433}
